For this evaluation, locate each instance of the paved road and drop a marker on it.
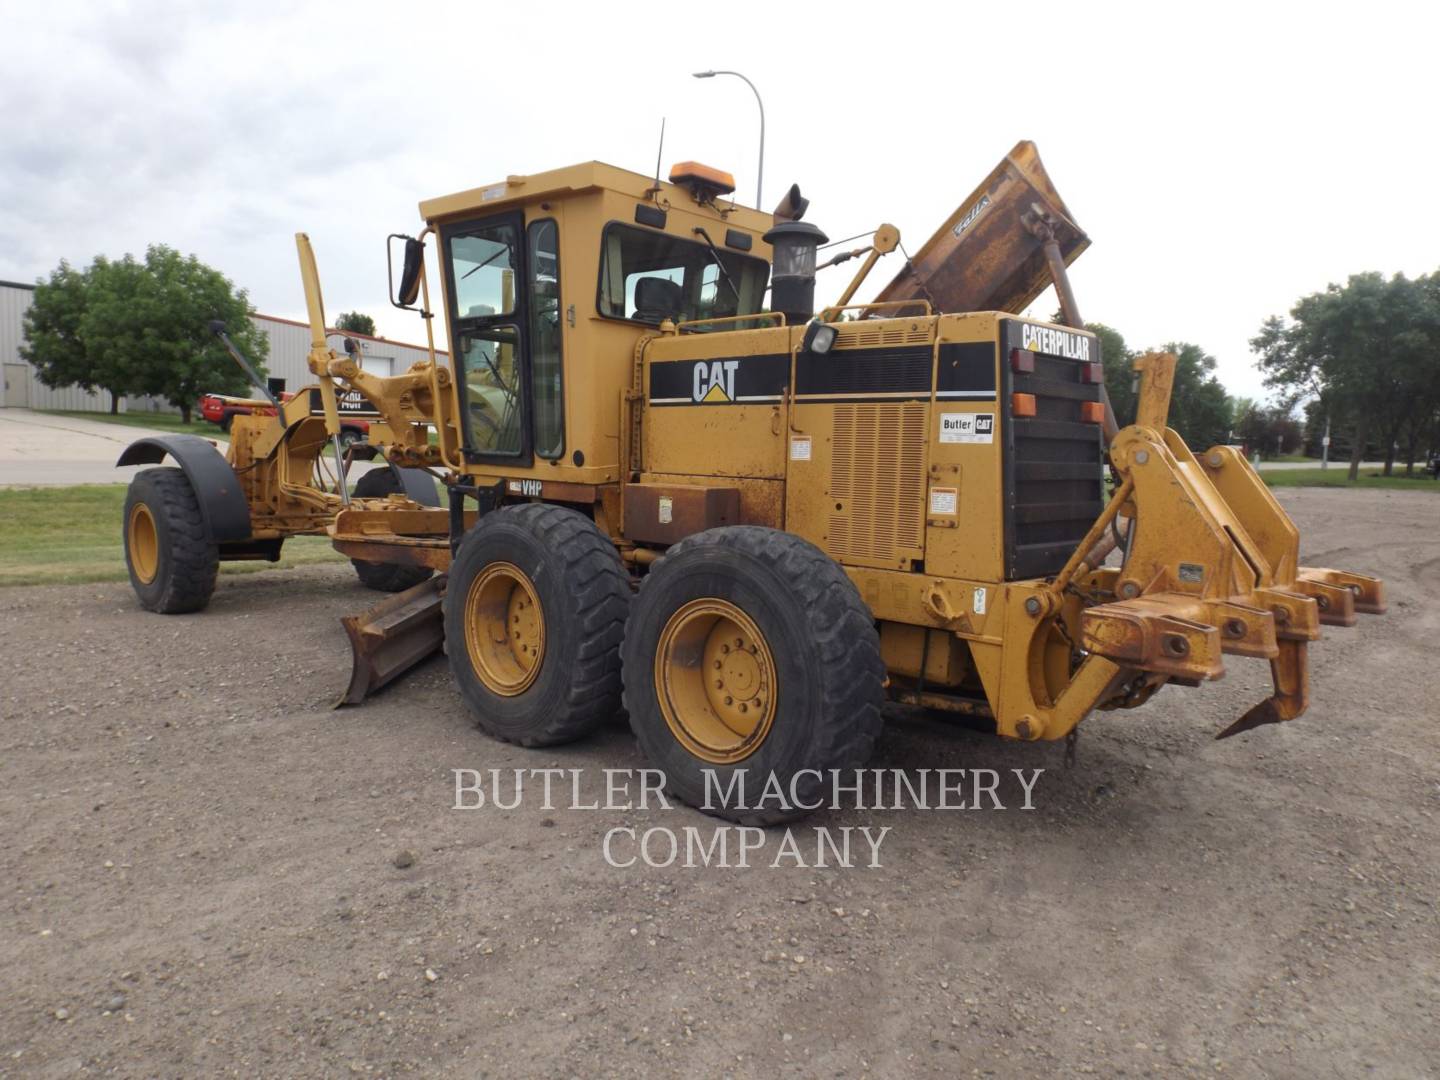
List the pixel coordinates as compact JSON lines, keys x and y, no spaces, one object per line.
{"x":38,"y":449}
{"x":1267,"y":466}
{"x":42,"y":450}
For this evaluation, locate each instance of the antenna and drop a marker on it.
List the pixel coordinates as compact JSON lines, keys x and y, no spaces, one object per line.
{"x":659,"y":156}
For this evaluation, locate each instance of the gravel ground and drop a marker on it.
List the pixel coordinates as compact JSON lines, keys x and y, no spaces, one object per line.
{"x":209,"y":871}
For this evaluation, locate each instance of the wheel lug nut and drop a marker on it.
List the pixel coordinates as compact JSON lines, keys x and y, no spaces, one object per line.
{"x":742,"y":707}
{"x":719,"y":684}
{"x":729,"y":700}
{"x":739,"y":643}
{"x":718,"y":665}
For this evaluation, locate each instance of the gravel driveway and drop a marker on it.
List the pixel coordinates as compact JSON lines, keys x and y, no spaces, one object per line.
{"x":208,"y":871}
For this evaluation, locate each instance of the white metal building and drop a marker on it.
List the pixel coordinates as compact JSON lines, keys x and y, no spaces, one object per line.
{"x":289,"y":345}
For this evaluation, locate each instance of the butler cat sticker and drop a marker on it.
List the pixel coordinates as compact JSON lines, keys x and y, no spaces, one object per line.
{"x":967,"y":427}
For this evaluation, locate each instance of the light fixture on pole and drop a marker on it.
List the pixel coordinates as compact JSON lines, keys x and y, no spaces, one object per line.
{"x":760,"y":172}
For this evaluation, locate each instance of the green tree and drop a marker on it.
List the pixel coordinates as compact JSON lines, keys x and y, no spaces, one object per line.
{"x":1200,"y":409}
{"x":1421,"y":429}
{"x":1369,"y":350}
{"x":165,"y":330}
{"x":1272,"y":431}
{"x":65,"y":338}
{"x":355,"y":322}
{"x":132,"y":327}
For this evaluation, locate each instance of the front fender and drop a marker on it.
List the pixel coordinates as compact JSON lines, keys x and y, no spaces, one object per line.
{"x":222,"y":501}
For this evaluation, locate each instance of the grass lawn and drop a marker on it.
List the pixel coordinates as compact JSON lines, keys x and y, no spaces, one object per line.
{"x":71,"y":535}
{"x":154,"y":421}
{"x":1337,"y":476}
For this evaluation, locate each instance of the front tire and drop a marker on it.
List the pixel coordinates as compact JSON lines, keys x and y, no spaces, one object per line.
{"x":534,"y":612}
{"x":749,"y":651}
{"x":171,"y":561}
{"x":385,"y":577}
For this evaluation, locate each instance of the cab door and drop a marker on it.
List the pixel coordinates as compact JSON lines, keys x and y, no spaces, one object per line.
{"x":485,"y":278}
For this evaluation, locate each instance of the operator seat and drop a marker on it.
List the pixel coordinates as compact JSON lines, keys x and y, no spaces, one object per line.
{"x":657,"y":299}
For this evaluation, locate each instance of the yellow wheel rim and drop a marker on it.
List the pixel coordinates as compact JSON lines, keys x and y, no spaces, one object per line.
{"x":716,"y":681}
{"x":143,"y":543}
{"x":504,"y":629}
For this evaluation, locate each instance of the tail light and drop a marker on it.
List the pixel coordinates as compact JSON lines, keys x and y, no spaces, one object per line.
{"x":1022,"y":404}
{"x":1092,"y":373}
{"x":1022,"y":361}
{"x":1092,"y":412}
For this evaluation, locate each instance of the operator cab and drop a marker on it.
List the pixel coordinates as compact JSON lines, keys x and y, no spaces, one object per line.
{"x":550,"y":281}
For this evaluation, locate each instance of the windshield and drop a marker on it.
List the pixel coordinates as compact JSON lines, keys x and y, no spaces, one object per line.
{"x":483,"y":263}
{"x":648,"y":276}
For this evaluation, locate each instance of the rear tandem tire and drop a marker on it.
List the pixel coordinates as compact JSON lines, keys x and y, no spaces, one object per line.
{"x":385,"y":577}
{"x":171,"y":561}
{"x":534,"y":612}
{"x":748,"y":616}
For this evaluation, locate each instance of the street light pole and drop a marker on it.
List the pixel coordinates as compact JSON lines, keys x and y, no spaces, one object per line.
{"x":760,"y":173}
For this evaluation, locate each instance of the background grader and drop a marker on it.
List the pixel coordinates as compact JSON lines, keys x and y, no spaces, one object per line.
{"x":775,"y":518}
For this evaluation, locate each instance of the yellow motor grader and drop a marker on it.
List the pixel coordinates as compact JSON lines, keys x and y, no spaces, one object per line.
{"x":670,"y":479}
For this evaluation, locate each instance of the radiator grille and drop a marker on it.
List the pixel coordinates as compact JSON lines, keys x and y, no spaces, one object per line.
{"x":877,"y":478}
{"x":1054,"y":464}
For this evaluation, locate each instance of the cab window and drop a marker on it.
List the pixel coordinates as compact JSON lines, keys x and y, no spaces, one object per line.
{"x":484,"y":262}
{"x":543,"y":240}
{"x":492,"y":387}
{"x":648,"y":276}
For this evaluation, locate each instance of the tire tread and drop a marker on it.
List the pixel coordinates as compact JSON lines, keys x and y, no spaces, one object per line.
{"x":841,"y":627}
{"x":189,"y":562}
{"x":596,"y":580}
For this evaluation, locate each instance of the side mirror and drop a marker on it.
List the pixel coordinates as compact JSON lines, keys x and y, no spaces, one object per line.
{"x":413,"y":261}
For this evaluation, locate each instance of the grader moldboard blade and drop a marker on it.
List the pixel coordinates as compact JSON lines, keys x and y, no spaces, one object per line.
{"x":392,"y":637}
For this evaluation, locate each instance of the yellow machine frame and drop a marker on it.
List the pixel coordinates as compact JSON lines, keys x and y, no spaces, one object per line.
{"x":895,"y":450}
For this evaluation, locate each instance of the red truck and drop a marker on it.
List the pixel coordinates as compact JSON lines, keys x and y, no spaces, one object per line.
{"x":220,"y":409}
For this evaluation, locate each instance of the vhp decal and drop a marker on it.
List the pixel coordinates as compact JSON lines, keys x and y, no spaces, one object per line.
{"x":532,"y":488}
{"x":714,"y":381}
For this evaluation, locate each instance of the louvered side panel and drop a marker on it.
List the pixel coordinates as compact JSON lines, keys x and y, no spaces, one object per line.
{"x":877,"y":482}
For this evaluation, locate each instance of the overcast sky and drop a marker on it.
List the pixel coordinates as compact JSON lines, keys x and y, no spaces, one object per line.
{"x":1224,"y":161}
